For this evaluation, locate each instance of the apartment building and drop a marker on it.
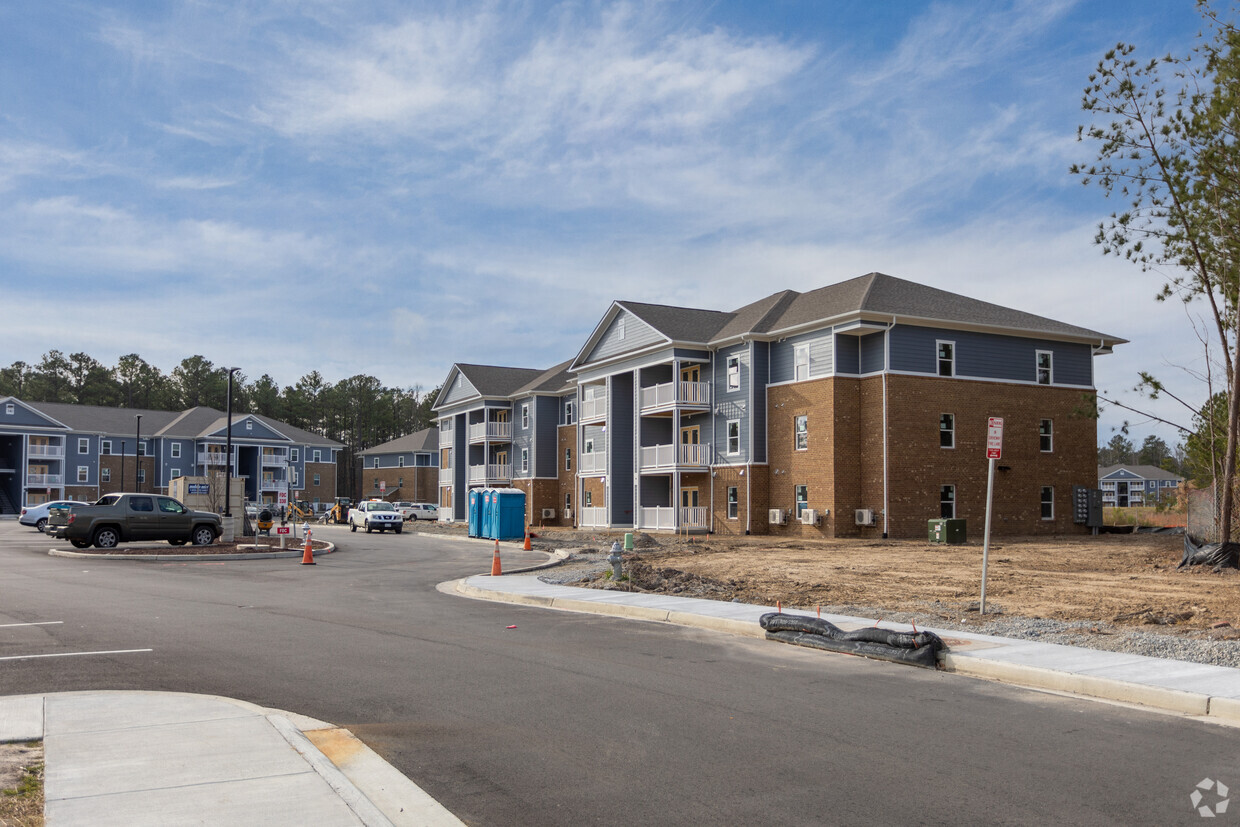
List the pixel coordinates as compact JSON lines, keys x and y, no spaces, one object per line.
{"x":404,"y":469}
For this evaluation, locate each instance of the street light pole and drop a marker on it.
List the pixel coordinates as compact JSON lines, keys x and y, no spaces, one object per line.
{"x":137,"y":454}
{"x":228,"y":450}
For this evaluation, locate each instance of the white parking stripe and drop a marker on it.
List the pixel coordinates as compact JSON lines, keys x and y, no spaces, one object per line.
{"x":41,"y":623}
{"x":74,"y":654}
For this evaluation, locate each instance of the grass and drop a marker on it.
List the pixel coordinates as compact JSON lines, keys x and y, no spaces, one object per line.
{"x":22,"y":806}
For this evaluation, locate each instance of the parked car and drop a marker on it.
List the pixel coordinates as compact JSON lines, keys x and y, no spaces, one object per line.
{"x":421,"y":511}
{"x":374,"y":514}
{"x":36,"y":515}
{"x":117,"y":518}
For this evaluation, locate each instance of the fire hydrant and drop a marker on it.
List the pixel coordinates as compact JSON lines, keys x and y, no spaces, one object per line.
{"x":614,"y":558}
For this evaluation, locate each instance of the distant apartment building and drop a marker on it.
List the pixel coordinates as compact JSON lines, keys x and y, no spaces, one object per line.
{"x":404,"y":469}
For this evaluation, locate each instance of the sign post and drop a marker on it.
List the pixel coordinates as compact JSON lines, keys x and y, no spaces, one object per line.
{"x":994,"y":451}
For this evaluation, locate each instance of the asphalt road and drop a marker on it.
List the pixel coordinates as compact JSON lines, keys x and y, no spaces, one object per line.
{"x":578,"y":719}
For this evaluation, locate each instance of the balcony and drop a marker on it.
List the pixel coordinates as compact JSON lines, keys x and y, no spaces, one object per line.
{"x":592,"y":517}
{"x":271,"y":484}
{"x":670,"y":457}
{"x":663,"y":518}
{"x":694,"y":395}
{"x":594,"y":462}
{"x":274,"y":460}
{"x":594,"y":408}
{"x":46,"y":451}
{"x":44,"y":480}
{"x":487,"y":474}
{"x":212,"y":458}
{"x":490,"y":431}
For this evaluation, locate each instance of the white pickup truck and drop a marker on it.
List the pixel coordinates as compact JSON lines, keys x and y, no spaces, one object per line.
{"x":375,"y":514}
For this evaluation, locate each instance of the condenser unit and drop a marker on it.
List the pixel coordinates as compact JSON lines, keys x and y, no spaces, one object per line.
{"x":809,"y":517}
{"x":865,"y":516}
{"x":777,"y":516}
{"x":568,"y":513}
{"x":548,"y":513}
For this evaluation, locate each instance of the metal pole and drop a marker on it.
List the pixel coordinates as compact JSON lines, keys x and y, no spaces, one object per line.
{"x":122,"y":466}
{"x":228,"y":471}
{"x":990,"y":490}
{"x":137,"y":454}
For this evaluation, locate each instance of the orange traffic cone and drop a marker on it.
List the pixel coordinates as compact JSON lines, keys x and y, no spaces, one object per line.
{"x":495,"y":570}
{"x":307,"y":556}
{"x":527,"y":541}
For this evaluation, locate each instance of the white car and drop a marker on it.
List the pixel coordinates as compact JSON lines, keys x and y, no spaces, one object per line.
{"x":418,"y":511}
{"x":36,"y":515}
{"x":376,"y":514}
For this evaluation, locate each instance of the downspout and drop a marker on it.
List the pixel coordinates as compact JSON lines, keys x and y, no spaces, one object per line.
{"x":713,"y":397}
{"x":886,"y":467}
{"x":752,"y":438}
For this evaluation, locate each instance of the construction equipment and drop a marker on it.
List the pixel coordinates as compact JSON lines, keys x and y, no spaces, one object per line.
{"x":301,"y":511}
{"x":339,"y":513}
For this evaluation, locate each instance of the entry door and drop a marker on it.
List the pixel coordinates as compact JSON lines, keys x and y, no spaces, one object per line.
{"x":501,"y":457}
{"x":1121,"y":494}
{"x":692,"y":373}
{"x":688,"y":498}
{"x":690,"y":438}
{"x":501,"y":415}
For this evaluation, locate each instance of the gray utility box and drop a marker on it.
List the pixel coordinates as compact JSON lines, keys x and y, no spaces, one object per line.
{"x":947,"y":531}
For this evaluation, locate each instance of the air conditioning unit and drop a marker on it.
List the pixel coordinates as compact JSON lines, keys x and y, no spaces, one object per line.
{"x":865,"y":516}
{"x":548,"y":513}
{"x":809,"y":517}
{"x":568,"y":513}
{"x":777,"y":516}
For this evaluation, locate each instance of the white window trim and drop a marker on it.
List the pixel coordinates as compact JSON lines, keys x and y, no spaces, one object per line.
{"x":1042,"y":502}
{"x":796,"y":434}
{"x":525,"y":460}
{"x":951,"y":431}
{"x":317,"y":454}
{"x":83,"y":445}
{"x":938,"y":343}
{"x":142,"y":475}
{"x":525,"y":416}
{"x":728,"y":436}
{"x":295,"y":454}
{"x":733,"y":506}
{"x":317,"y":479}
{"x":83,"y":473}
{"x":1050,"y":436}
{"x":9,"y":409}
{"x":1050,"y":368}
{"x":798,"y":362}
{"x":400,"y":462}
{"x":105,"y":447}
{"x":105,"y":474}
{"x":800,"y":504}
{"x":249,"y":424}
{"x":176,"y":472}
{"x":954,"y":500}
{"x":569,"y":413}
{"x":734,"y":373}
{"x":174,"y":450}
{"x":568,"y":459}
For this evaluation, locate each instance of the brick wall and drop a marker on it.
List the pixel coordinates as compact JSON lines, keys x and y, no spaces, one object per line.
{"x":567,"y":482}
{"x":326,"y":489}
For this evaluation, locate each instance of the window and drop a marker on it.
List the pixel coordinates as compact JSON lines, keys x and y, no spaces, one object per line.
{"x":175,"y":450}
{"x":292,"y":476}
{"x":734,"y":436}
{"x":295,"y":454}
{"x":1046,"y":436}
{"x":400,"y":462}
{"x":568,"y":459}
{"x":105,"y":447}
{"x":175,"y":472}
{"x":568,"y":503}
{"x":142,"y":448}
{"x":589,"y":446}
{"x":316,"y":456}
{"x":947,"y":502}
{"x":589,"y":499}
{"x":142,"y":475}
{"x":249,"y":424}
{"x":947,"y":358}
{"x":105,"y":475}
{"x":525,"y":416}
{"x":800,"y":363}
{"x":83,"y":445}
{"x":1045,"y":374}
{"x":8,"y":409}
{"x":802,"y":498}
{"x":317,"y":479}
{"x":376,"y":464}
{"x":1048,"y":502}
{"x":525,"y":460}
{"x":620,"y":327}
{"x":947,"y":431}
{"x":733,"y":502}
{"x":734,"y":373}
{"x":568,"y":412}
{"x":445,"y":425}
{"x":83,"y":473}
{"x":800,"y":430}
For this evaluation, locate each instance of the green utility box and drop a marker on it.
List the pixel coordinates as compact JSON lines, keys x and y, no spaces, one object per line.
{"x":947,"y":531}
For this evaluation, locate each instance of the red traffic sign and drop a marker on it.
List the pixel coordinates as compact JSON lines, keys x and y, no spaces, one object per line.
{"x":282,"y":529}
{"x":994,"y":438}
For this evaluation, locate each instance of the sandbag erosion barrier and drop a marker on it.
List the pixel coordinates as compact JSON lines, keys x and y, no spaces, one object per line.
{"x":916,"y":648}
{"x":1219,"y":555}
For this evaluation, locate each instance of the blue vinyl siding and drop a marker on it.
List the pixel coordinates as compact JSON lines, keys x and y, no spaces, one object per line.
{"x":637,"y":334}
{"x":761,"y":375}
{"x":597,"y":433}
{"x":783,"y":356}
{"x":546,"y":422}
{"x":620,"y":450}
{"x":24,"y":417}
{"x":729,"y":405}
{"x":656,"y":430}
{"x":988,"y":355}
{"x":522,"y":438}
{"x":460,"y":468}
{"x":656,"y":491}
{"x":873,"y":352}
{"x":461,"y":389}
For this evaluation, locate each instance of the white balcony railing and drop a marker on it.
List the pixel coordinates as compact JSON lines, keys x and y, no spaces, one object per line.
{"x":593,"y":517}
{"x":49,"y":451}
{"x":594,"y":408}
{"x":675,"y":393}
{"x":594,"y":462}
{"x":673,"y":456}
{"x":658,"y":517}
{"x":490,"y":430}
{"x":44,"y":479}
{"x":268,"y":484}
{"x":490,"y":473}
{"x":277,"y":460}
{"x":694,"y":517}
{"x":212,"y":458}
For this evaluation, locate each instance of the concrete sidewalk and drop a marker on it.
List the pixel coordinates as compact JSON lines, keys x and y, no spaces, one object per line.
{"x":164,"y":758}
{"x":1171,"y":685}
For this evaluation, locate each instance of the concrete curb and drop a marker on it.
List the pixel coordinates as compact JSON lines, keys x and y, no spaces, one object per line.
{"x":188,"y":558}
{"x":1221,"y":709}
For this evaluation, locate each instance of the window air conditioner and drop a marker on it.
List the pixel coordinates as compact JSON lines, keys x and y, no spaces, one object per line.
{"x":777,"y":516}
{"x":865,"y":516}
{"x":568,"y":513}
{"x":809,"y":517}
{"x":548,"y":513}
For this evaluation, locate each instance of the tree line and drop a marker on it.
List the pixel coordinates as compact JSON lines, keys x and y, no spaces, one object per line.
{"x":359,"y":411}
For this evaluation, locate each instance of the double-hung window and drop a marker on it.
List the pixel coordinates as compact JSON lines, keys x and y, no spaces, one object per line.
{"x":1044,"y":367}
{"x":83,"y":445}
{"x":1046,"y":436}
{"x":1048,"y":502}
{"x":174,"y":450}
{"x":802,"y":498}
{"x":83,"y":473}
{"x":734,"y":436}
{"x":946,"y":358}
{"x":947,"y":431}
{"x":800,"y":429}
{"x":947,"y":502}
{"x":525,"y":460}
{"x":800,"y":362}
{"x":734,"y":373}
{"x":568,"y":459}
{"x":733,"y":502}
{"x":525,"y":416}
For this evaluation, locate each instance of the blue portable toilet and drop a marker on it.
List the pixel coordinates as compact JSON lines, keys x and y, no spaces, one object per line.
{"x":508,"y":514}
{"x":475,"y":512}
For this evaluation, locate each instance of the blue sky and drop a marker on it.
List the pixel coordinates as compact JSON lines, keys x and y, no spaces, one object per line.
{"x":388,"y":188}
